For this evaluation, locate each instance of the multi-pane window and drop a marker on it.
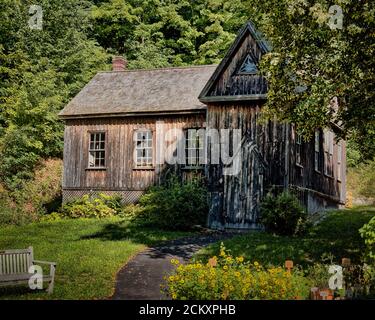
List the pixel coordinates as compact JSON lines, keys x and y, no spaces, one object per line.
{"x":339,"y":160}
{"x":97,"y":150}
{"x":143,"y":148}
{"x":317,"y":161}
{"x":328,"y":153}
{"x":298,"y":149}
{"x":194,"y":147}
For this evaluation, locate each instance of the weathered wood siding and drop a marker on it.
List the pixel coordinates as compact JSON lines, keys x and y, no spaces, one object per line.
{"x":327,"y":188}
{"x":268,"y":162}
{"x":232,"y":83}
{"x":234,"y":199}
{"x":120,"y":173}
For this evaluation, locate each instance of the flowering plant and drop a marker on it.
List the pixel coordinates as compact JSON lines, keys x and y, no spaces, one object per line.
{"x":225,"y":277}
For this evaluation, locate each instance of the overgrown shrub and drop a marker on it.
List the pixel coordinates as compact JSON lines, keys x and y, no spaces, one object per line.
{"x":33,"y":198}
{"x":361,"y":181}
{"x":319,"y":275}
{"x":132,"y":212}
{"x":229,"y":278}
{"x":283,"y":215}
{"x":367,"y":232}
{"x":175,"y":204}
{"x":92,"y":207}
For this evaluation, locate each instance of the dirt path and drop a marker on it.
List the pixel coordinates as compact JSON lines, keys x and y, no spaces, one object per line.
{"x":141,"y":277}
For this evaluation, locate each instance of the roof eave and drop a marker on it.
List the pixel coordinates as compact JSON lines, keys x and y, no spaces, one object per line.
{"x":254,"y":97}
{"x":131,"y":114}
{"x":248,"y":27}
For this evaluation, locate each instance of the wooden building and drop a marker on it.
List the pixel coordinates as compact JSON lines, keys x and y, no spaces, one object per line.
{"x":117,"y":113}
{"x":112,"y":128}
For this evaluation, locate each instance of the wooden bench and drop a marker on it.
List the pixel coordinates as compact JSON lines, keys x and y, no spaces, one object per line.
{"x":15,"y":264}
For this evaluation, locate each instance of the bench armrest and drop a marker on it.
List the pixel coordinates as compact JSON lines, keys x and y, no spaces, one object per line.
{"x":44,"y":262}
{"x":52,"y":270}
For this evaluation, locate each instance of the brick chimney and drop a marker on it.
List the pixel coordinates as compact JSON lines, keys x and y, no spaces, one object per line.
{"x":119,"y":63}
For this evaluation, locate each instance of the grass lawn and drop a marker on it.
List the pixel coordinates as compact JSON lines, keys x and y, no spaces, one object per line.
{"x":88,"y":253}
{"x":337,"y":236}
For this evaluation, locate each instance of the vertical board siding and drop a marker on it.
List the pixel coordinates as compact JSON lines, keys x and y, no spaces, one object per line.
{"x":235,"y":200}
{"x":231,"y":83}
{"x":307,"y":177}
{"x":236,"y":197}
{"x":120,"y":173}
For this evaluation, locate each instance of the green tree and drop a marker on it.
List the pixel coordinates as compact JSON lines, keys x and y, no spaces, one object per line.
{"x":40,"y":71}
{"x":155,"y":33}
{"x":314,"y":59}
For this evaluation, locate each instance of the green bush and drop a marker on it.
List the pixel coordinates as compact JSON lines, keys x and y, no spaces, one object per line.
{"x":283,"y":215}
{"x":33,"y":198}
{"x":367,"y":232}
{"x":54,"y":216}
{"x":229,"y":278}
{"x":361,"y":180}
{"x":175,"y":205}
{"x":319,"y":275}
{"x":92,"y":207}
{"x":132,"y":212}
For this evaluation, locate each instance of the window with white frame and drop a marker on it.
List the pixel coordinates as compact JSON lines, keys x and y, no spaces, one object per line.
{"x":328,"y":153}
{"x":317,"y":151}
{"x":194,"y":147}
{"x":298,"y":149}
{"x":339,"y":160}
{"x":97,"y":150}
{"x":143,"y":148}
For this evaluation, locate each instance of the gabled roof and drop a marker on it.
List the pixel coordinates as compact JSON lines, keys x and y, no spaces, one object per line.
{"x":133,"y":92}
{"x":264,"y":47}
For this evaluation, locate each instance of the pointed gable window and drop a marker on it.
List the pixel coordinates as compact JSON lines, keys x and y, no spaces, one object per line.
{"x":248,"y":66}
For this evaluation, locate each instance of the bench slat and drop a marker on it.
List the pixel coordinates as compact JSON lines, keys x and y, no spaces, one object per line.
{"x":15,"y":264}
{"x":28,"y":250}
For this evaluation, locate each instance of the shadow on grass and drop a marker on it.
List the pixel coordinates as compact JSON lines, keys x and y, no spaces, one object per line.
{"x":334,"y":238}
{"x":15,"y":291}
{"x":136,"y":232}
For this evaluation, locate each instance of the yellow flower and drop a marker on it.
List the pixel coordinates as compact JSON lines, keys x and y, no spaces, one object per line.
{"x":174,"y":296}
{"x":222,"y":253}
{"x":256,"y":263}
{"x":171,"y":278}
{"x":225,"y":267}
{"x":239,"y":259}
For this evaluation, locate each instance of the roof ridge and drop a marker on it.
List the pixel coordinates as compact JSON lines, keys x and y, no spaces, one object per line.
{"x":160,"y":69}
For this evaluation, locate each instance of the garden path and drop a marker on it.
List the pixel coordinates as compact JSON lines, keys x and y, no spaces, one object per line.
{"x":141,"y":277}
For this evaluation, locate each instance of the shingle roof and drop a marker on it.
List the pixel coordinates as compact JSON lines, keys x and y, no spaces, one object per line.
{"x":164,"y":90}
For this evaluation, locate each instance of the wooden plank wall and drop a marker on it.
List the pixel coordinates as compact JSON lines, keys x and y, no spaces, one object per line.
{"x":230,"y":83}
{"x":306,"y":176}
{"x":234,"y":200}
{"x":120,"y":173}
